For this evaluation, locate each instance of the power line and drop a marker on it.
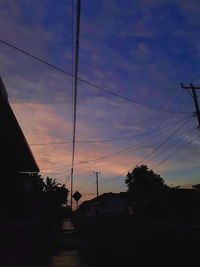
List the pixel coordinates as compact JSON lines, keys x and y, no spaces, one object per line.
{"x":189,"y":75}
{"x":72,"y":33}
{"x":34,"y":57}
{"x":86,"y":141}
{"x":97,"y":140}
{"x":68,"y":178}
{"x":129,"y":99}
{"x":89,"y":83}
{"x":130,"y":148}
{"x":169,"y":137}
{"x":122,"y":176}
{"x":161,"y":152}
{"x":115,"y":178}
{"x":174,"y":153}
{"x":121,"y":152}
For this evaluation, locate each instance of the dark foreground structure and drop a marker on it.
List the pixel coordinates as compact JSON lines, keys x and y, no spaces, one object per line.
{"x":145,"y":236}
{"x":29,"y":217}
{"x":19,"y":220}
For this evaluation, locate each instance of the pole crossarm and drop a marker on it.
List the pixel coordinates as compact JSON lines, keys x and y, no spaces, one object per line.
{"x":97,"y":181}
{"x":194,"y":95}
{"x":189,"y":87}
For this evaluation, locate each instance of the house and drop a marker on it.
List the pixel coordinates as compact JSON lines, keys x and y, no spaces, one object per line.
{"x":176,"y":204}
{"x":16,"y":160}
{"x":20,"y":208}
{"x":15,"y":151}
{"x":107,"y":204}
{"x":182,"y":204}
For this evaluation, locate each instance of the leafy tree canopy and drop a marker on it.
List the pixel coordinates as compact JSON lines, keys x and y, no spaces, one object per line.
{"x":49,"y":188}
{"x":143,"y":181}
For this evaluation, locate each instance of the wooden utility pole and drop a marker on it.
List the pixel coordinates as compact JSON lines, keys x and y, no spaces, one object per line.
{"x":97,"y":181}
{"x":75,"y":80}
{"x":194,"y":95}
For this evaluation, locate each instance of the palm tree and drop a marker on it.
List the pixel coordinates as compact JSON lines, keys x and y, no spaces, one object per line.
{"x":50,"y":185}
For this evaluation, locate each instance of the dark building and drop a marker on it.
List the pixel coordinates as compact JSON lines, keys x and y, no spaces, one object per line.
{"x":16,"y":155}
{"x":107,"y":204}
{"x":20,"y":208}
{"x":174,"y":204}
{"x":182,"y":204}
{"x":16,"y":162}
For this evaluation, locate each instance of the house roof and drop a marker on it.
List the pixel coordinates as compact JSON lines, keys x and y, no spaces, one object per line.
{"x":182,"y":194}
{"x":15,"y":151}
{"x":101,"y":199}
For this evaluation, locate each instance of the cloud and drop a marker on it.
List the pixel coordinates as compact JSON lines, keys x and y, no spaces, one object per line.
{"x":19,"y":34}
{"x":141,"y":50}
{"x":39,"y":122}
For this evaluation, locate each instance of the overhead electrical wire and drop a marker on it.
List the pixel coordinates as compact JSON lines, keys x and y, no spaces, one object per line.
{"x":69,"y":176}
{"x":86,"y":141}
{"x":131,"y":148}
{"x":183,"y":146}
{"x":89,"y":83}
{"x":120,"y":152}
{"x":102,"y":140}
{"x":34,"y":57}
{"x":164,"y":141}
{"x":76,"y":78}
{"x":59,"y":168}
{"x":126,"y":150}
{"x":108,"y":91}
{"x":171,"y":135}
{"x":129,"y":99}
{"x":161,"y":152}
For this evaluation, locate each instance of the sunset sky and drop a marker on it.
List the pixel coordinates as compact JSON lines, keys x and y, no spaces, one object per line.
{"x":140,"y":49}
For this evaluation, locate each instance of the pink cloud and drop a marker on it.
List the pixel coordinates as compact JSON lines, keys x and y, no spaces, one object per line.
{"x":37,"y":122}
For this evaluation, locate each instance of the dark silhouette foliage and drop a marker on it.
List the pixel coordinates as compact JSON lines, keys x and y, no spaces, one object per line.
{"x":142,"y":179}
{"x":147,"y":191}
{"x":48,"y":188}
{"x":37,"y":182}
{"x":55,"y":191}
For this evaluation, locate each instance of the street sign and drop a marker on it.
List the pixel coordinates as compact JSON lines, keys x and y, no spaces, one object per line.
{"x":77,"y":196}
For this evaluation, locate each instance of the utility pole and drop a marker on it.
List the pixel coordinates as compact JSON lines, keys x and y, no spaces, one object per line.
{"x":72,"y":170}
{"x":97,"y":181}
{"x":75,"y":80}
{"x":194,"y":95}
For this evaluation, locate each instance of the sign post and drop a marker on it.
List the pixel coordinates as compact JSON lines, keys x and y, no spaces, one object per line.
{"x":77,"y":196}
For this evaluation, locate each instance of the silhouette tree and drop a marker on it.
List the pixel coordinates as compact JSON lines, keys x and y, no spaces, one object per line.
{"x":143,"y":178}
{"x":60,"y":194}
{"x":37,"y":182}
{"x":55,"y":191}
{"x":50,"y":185}
{"x":146,"y":189}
